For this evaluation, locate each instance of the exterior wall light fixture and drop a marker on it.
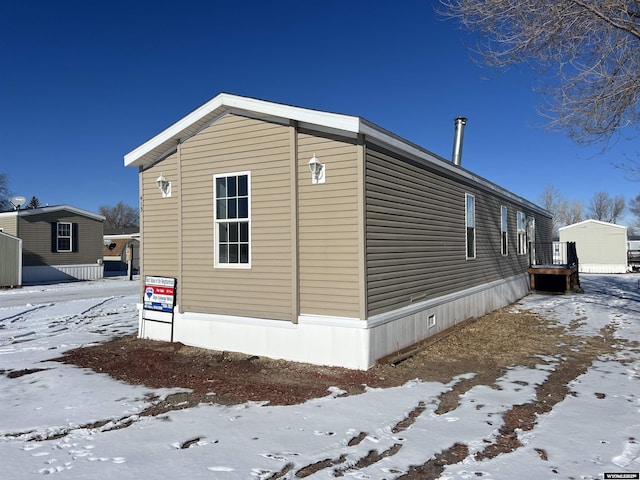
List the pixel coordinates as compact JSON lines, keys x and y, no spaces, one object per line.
{"x":164,"y":186}
{"x":317,"y":170}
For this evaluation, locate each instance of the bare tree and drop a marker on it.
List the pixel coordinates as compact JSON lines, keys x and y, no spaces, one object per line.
{"x":606,"y":209}
{"x":4,"y":193}
{"x":600,"y":206}
{"x":631,"y":166}
{"x":570,"y":212}
{"x":619,"y":205}
{"x":634,"y":208}
{"x":120,"y":215}
{"x":590,"y":46}
{"x":552,"y":200}
{"x":565,"y":212}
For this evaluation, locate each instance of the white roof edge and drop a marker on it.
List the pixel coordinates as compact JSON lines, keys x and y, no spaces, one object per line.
{"x":118,"y":236}
{"x":173,"y":130}
{"x":592,"y":220}
{"x":334,"y":121}
{"x":373,"y":131}
{"x":55,"y":208}
{"x":317,"y":117}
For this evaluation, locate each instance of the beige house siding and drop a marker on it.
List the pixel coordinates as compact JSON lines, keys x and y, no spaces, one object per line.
{"x":328,"y":228}
{"x":415,"y":238}
{"x":327,"y":250}
{"x":159,"y":221}
{"x":238,"y":144}
{"x":8,"y":224}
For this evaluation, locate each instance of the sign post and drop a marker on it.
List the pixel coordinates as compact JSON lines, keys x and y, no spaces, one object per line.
{"x":130,"y":261}
{"x":159,"y":299}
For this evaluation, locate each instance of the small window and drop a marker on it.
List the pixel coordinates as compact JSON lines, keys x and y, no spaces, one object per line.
{"x":504,"y":231}
{"x":470,"y":221}
{"x":232,"y":219}
{"x":522,"y":233}
{"x":64,"y":238}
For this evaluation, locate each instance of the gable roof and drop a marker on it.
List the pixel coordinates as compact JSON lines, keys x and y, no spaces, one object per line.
{"x":593,"y":222}
{"x":165,"y":143}
{"x":55,"y":208}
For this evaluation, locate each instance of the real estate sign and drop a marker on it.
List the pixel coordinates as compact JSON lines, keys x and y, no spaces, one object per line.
{"x":159,"y":294}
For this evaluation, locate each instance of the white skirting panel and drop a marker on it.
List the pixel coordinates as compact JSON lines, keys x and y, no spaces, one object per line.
{"x":602,"y":268}
{"x":154,"y":330}
{"x":61,"y":273}
{"x":338,"y":341}
{"x":318,"y":340}
{"x":404,"y":327}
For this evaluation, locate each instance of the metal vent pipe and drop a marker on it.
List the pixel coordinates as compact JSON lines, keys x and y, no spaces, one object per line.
{"x":459,"y":123}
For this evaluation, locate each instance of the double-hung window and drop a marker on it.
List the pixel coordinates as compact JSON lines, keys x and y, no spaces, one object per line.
{"x":232,"y":220}
{"x":522,"y":233}
{"x":504,"y":233}
{"x":64,"y":237}
{"x":470,"y":221}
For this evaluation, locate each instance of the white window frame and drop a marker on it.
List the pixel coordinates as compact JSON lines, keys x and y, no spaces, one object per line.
{"x":58,"y":237}
{"x":217,"y":221}
{"x":521,"y":227}
{"x":470,"y":222}
{"x":504,"y":230}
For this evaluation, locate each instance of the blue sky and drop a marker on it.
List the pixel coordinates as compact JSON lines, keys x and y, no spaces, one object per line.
{"x":82,"y":83}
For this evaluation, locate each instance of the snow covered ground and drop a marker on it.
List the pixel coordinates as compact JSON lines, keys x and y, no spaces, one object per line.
{"x":92,"y":427}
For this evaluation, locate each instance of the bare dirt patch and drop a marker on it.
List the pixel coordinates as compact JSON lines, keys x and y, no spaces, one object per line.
{"x":486,"y":347}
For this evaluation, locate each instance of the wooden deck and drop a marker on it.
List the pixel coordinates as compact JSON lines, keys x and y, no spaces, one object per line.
{"x":553,"y":267}
{"x":554,"y":278}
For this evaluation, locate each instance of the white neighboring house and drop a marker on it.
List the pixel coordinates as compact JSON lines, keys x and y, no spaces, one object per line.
{"x":115,"y":252}
{"x":601,"y":246}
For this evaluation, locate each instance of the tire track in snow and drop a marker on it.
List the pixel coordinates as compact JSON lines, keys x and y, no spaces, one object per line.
{"x":20,"y":316}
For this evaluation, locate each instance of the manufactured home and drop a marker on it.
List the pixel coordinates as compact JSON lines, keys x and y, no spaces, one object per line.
{"x":318,"y":237}
{"x":59,"y":243}
{"x":602,"y":246}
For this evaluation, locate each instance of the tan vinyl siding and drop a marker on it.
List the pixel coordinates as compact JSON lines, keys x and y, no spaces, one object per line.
{"x":328,"y":228}
{"x":160,"y":220}
{"x":8,"y":224}
{"x":238,"y":144}
{"x":38,"y":239}
{"x":415,"y":234}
